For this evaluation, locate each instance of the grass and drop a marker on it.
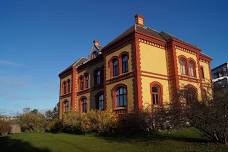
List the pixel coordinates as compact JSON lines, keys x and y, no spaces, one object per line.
{"x":187,"y":140}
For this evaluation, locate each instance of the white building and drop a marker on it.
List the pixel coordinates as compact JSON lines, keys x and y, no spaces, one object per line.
{"x":220,"y":76}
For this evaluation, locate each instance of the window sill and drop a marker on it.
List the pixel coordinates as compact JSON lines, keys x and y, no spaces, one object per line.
{"x":120,"y":108}
{"x":188,"y":76}
{"x":121,"y":74}
{"x":192,"y":76}
{"x":84,"y":89}
{"x":67,"y":94}
{"x":115,"y":76}
{"x":124,"y":73}
{"x":184,"y":75}
{"x":157,"y":105}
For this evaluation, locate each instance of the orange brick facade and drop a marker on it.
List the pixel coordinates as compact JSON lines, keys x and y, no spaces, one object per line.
{"x":140,"y":67}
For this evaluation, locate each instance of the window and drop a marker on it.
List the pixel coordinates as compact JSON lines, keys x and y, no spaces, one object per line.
{"x":192,"y":67}
{"x":94,"y":54}
{"x":190,"y":93}
{"x":224,"y":70}
{"x":98,"y":77}
{"x":84,"y":104}
{"x":68,"y":86}
{"x":86,"y":81}
{"x":81,"y":83}
{"x":64,"y":87}
{"x":121,"y":97}
{"x":183,"y":66}
{"x":66,"y":106}
{"x":124,"y":63}
{"x":204,"y":94}
{"x":156,"y":94}
{"x":115,"y":67}
{"x":100,"y":102}
{"x":202,"y":72}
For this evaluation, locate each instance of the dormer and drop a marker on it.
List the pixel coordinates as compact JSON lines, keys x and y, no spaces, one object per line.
{"x":95,"y":50}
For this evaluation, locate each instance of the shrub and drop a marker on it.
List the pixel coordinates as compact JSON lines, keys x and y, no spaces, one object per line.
{"x":149,"y":121}
{"x":101,"y":122}
{"x":51,"y":114}
{"x":88,"y":121}
{"x":54,"y":126}
{"x":32,"y":122}
{"x":211,"y":117}
{"x":72,"y":122}
{"x":107,"y":122}
{"x":169,"y":116}
{"x":133,"y":123}
{"x":4,"y":127}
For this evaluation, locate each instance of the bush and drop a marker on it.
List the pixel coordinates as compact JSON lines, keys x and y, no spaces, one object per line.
{"x":54,"y":126}
{"x":101,"y":122}
{"x":152,"y":120}
{"x":107,"y":122}
{"x":88,"y":121}
{"x":71,"y":123}
{"x":51,"y":114}
{"x":211,"y":117}
{"x":4,"y":127}
{"x":170,"y":116}
{"x":134,"y":123}
{"x":33,"y":122}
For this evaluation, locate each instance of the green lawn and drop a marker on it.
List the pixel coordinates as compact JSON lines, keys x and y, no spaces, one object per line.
{"x":179,"y":141}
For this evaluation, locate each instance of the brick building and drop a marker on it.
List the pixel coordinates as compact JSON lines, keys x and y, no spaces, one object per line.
{"x":140,"y":67}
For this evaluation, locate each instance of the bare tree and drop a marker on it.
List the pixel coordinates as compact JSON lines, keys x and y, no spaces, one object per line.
{"x":211,"y":117}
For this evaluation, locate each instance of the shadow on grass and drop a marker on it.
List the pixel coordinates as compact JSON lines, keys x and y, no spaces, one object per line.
{"x":13,"y":145}
{"x":153,"y":138}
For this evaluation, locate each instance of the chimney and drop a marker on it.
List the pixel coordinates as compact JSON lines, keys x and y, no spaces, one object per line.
{"x":96,"y":43}
{"x":139,"y":20}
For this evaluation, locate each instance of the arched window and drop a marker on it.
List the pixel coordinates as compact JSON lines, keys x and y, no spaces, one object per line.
{"x":115,"y":67}
{"x":190,"y":93}
{"x":192,"y":68}
{"x":202,"y":72}
{"x":124,"y":63}
{"x":204,"y":94}
{"x":81,"y":83}
{"x":156,"y":93}
{"x":121,"y":97}
{"x":84,"y":104}
{"x":66,"y":106}
{"x":68,"y":86}
{"x":86,"y":81}
{"x":98,"y":77}
{"x":64,"y":87}
{"x":100,"y":101}
{"x":183,"y":66}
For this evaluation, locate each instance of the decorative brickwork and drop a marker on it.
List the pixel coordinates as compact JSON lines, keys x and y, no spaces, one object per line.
{"x":142,"y":46}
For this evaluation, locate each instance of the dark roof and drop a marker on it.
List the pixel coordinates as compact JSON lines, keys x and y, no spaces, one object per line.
{"x":136,"y":28}
{"x":163,"y":36}
{"x":168,"y":36}
{"x":148,"y":31}
{"x":76,"y":63}
{"x":226,"y":63}
{"x":89,"y":62}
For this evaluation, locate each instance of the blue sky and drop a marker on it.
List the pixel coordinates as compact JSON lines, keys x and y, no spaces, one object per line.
{"x":39,"y":38}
